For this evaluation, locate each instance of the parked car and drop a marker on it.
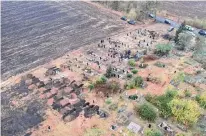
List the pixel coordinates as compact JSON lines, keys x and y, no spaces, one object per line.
{"x":124,"y":18}
{"x":167,"y":21}
{"x":202,"y":32}
{"x":189,"y":28}
{"x":132,"y":22}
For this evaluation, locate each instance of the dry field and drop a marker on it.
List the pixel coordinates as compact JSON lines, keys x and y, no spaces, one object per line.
{"x":34,"y":33}
{"x":185,"y":8}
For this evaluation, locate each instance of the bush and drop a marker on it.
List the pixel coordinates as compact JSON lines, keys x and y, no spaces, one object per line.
{"x":135,"y":82}
{"x":132,"y":62}
{"x":185,"y":111}
{"x":171,"y":94}
{"x":109,"y":72}
{"x":187,"y":93}
{"x":108,"y":101}
{"x":129,"y":75}
{"x":134,"y":71}
{"x":91,"y":86}
{"x":147,"y":112}
{"x":130,"y":85}
{"x":138,"y":81}
{"x":101,"y":80}
{"x":152,"y":132}
{"x":150,"y":98}
{"x":180,"y":77}
{"x":201,"y":99}
{"x":162,"y":49}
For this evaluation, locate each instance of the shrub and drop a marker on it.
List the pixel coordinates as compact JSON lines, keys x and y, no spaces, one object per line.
{"x":113,"y":106}
{"x":185,"y":111}
{"x":163,"y":49}
{"x":201,"y":99}
{"x":187,"y":93}
{"x":129,"y":75}
{"x":159,"y":64}
{"x":171,"y":94}
{"x":152,"y":132}
{"x":101,"y":80}
{"x":162,"y":104}
{"x":138,"y":81}
{"x":147,"y":112}
{"x":134,"y":71}
{"x":109,"y":72}
{"x":135,"y":82}
{"x":108,"y":101}
{"x":180,"y":77}
{"x":150,"y":98}
{"x":91,"y":86}
{"x":130,"y":85}
{"x":132,"y":62}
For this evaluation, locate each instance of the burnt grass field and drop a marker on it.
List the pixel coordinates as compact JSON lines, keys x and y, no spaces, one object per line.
{"x":36,"y":32}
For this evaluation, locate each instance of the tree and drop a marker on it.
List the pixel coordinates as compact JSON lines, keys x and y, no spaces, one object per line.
{"x":184,"y":40}
{"x":162,"y":49}
{"x":180,"y":30}
{"x":109,"y":72}
{"x":162,"y":102}
{"x":200,"y":50}
{"x":146,"y":112}
{"x":185,"y":111}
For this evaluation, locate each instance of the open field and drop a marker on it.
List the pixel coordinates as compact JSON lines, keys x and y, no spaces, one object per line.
{"x":186,"y":9}
{"x":36,"y":32}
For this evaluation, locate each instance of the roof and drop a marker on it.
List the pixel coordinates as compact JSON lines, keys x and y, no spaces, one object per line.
{"x":134,"y":127}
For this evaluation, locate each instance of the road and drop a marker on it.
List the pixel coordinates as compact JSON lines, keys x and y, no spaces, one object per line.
{"x":35,"y":32}
{"x":174,"y":24}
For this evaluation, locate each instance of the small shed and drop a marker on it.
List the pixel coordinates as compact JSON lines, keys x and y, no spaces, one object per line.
{"x":134,"y":127}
